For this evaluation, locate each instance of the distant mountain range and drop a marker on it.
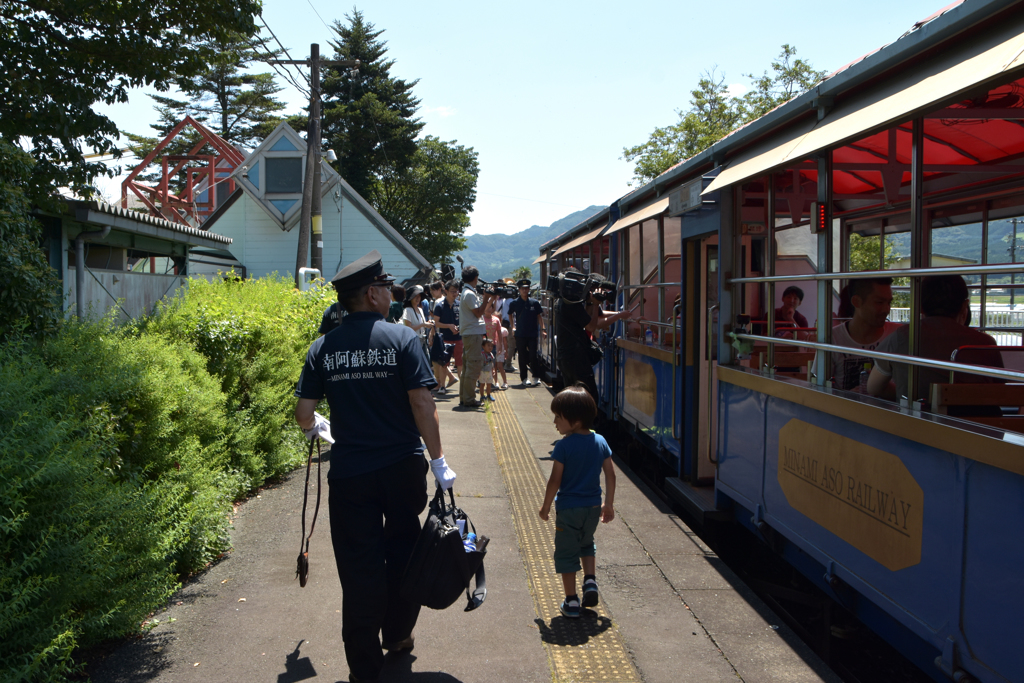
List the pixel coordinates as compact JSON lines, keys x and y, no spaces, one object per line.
{"x":497,"y":255}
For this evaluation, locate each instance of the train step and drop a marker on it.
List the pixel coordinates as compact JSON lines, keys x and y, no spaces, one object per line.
{"x":699,"y":501}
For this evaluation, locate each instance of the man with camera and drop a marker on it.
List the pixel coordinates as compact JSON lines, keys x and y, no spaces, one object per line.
{"x":377,"y":382}
{"x":472,"y":328}
{"x":526,"y":316}
{"x":579,"y":315}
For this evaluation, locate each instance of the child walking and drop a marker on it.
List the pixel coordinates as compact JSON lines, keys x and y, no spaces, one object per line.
{"x":487,"y":371}
{"x":579,"y":459}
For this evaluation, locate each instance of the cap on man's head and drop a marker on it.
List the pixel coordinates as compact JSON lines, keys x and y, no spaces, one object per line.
{"x":523,"y":283}
{"x":364,"y":271}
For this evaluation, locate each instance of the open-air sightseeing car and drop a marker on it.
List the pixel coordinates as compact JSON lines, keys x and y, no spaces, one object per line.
{"x":911,"y":519}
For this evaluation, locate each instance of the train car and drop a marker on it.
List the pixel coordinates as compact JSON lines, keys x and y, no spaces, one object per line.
{"x":907,"y":517}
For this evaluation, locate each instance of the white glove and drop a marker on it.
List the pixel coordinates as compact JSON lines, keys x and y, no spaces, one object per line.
{"x":321,"y":427}
{"x":445,"y":475}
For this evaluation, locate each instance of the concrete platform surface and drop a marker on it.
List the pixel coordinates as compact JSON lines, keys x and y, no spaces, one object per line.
{"x":679,"y":612}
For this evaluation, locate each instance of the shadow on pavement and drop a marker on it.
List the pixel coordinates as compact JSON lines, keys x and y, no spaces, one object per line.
{"x":398,"y":669}
{"x":564,"y":631}
{"x":142,"y":660}
{"x":296,"y":668}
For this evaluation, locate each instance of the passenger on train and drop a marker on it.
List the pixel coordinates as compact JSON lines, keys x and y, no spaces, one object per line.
{"x":787,"y":315}
{"x":944,"y":328}
{"x":871,"y":300}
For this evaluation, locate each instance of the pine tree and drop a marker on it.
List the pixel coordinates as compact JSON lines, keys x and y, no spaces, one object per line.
{"x":368,"y":117}
{"x":239,"y":106}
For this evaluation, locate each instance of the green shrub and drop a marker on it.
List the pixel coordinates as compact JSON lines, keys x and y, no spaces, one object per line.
{"x":84,"y":556}
{"x":122,"y":450}
{"x":254,"y":335}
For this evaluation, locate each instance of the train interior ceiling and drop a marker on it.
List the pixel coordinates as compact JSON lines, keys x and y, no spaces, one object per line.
{"x":972,"y":202}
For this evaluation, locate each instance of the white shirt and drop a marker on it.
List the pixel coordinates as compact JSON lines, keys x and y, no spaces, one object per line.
{"x":846,"y":367}
{"x":468,"y":322}
{"x":414,"y":316}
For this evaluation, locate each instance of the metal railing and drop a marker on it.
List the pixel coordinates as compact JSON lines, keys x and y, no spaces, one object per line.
{"x":986,"y":371}
{"x":868,"y":274}
{"x":994,"y":319}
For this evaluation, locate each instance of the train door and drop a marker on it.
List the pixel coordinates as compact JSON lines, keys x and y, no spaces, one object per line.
{"x":704,"y":281}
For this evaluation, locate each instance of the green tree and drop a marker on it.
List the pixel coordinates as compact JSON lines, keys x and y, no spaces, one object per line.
{"x":64,"y":56}
{"x":429,"y":202}
{"x":788,"y":78}
{"x":713,"y":114}
{"x":368,"y":117}
{"x":29,"y":289}
{"x":521,"y":273}
{"x":237,"y":105}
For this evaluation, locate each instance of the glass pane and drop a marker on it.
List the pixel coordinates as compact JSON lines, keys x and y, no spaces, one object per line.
{"x":673,"y":245}
{"x":650,"y":251}
{"x":1005,"y":240}
{"x":956,"y":245}
{"x":284,"y":175}
{"x":283,"y":144}
{"x":634,"y":255}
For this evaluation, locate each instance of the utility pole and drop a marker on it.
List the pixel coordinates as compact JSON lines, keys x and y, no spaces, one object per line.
{"x":311,"y":235}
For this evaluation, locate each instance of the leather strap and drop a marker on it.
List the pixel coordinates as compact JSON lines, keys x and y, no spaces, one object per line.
{"x":302,"y":564}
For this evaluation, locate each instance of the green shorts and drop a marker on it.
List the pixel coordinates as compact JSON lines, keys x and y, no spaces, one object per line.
{"x":574,"y":537}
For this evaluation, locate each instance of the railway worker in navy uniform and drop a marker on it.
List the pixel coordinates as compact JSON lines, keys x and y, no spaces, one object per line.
{"x":526,"y":316}
{"x":576,"y":324}
{"x":331,"y":318}
{"x":377,"y":382}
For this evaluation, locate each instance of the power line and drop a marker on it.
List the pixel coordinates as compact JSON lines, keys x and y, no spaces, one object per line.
{"x":287,"y":54}
{"x":318,"y":15}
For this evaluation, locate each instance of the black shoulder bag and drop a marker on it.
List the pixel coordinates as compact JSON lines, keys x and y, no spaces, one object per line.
{"x":440,"y":568}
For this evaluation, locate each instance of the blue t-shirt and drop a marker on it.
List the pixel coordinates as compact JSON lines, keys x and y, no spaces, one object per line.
{"x":583,"y":456}
{"x":449,"y":315}
{"x":366,"y":368}
{"x":526,"y":313}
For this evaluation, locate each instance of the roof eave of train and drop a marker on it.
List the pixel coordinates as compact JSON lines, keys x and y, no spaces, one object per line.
{"x":578,"y":229}
{"x":920,"y":38}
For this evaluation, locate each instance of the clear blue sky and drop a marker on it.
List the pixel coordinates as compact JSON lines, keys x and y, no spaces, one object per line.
{"x":549,"y":93}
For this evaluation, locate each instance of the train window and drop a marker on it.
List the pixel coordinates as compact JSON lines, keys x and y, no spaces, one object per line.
{"x":633,"y":244}
{"x":671,"y":270}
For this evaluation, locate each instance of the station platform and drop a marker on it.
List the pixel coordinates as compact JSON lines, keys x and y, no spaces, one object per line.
{"x":670,"y":610}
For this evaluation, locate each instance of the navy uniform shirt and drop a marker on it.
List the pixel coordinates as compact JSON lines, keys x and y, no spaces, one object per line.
{"x":449,"y":315}
{"x":526,"y":313}
{"x":366,"y":368}
{"x":332,"y":318}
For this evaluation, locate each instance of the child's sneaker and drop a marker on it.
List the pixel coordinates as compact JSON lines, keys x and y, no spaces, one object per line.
{"x":590,"y":596}
{"x":570,"y":608}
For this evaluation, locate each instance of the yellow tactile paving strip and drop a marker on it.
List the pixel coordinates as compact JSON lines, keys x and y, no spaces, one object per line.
{"x":584,"y":650}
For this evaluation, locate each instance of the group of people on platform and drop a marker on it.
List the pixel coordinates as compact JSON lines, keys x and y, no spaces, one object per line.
{"x":945,"y":327}
{"x":377,"y":379}
{"x":467,"y":335}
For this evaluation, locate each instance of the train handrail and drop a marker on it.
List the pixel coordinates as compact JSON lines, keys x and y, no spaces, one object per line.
{"x":711,"y":339}
{"x":899,"y":358}
{"x":675,"y":367}
{"x":903,"y":272}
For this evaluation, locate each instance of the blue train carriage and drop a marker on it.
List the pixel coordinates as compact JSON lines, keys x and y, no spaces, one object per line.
{"x":911,"y":519}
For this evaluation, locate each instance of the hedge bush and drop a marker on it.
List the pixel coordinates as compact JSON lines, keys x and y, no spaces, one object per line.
{"x":121,"y":452}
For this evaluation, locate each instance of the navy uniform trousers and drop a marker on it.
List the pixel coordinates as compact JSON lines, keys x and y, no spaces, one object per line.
{"x":374,"y":526}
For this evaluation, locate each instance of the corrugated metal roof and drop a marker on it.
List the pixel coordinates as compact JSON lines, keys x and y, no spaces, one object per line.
{"x":112,"y":210}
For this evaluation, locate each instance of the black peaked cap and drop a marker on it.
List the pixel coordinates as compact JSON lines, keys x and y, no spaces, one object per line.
{"x":363,"y":271}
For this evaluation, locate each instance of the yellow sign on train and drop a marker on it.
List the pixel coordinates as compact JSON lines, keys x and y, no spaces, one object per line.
{"x":862,"y":494}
